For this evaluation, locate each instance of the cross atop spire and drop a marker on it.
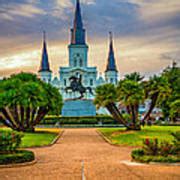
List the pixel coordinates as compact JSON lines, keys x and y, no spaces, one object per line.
{"x":44,"y":61}
{"x":44,"y":36}
{"x":111,"y":66}
{"x":78,"y":33}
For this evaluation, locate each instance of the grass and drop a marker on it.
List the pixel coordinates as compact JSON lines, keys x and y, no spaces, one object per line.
{"x":120,"y":136}
{"x":42,"y":137}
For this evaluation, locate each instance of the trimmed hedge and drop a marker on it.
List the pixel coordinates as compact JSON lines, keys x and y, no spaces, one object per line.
{"x":17,"y":157}
{"x":139,"y":156}
{"x":51,"y":120}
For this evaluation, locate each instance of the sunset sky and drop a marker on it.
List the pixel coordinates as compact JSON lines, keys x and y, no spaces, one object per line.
{"x":146,"y":33}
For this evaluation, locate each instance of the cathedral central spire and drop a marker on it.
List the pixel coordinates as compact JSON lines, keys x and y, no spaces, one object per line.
{"x":78,"y":18}
{"x":78,"y":33}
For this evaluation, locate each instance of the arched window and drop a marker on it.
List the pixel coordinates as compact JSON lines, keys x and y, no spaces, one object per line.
{"x":91,"y":82}
{"x":77,"y":75}
{"x":111,"y":80}
{"x":75,"y":62}
{"x":65,"y":82}
{"x":81,"y":63}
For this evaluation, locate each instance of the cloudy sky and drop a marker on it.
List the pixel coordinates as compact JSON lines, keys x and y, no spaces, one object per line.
{"x":146,"y":33}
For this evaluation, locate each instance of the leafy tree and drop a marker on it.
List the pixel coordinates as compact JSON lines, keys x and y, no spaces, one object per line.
{"x":173,"y":76}
{"x":175,"y":110}
{"x":157,"y":89}
{"x":25,"y":100}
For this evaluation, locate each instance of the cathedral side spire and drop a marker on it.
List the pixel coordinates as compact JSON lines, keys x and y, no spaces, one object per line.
{"x":111,"y":66}
{"x":44,"y":61}
{"x":78,"y":32}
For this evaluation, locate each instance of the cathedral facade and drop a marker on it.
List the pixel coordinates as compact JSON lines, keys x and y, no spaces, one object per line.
{"x":78,"y":63}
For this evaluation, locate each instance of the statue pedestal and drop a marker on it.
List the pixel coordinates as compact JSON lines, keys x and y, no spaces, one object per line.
{"x":74,"y":108}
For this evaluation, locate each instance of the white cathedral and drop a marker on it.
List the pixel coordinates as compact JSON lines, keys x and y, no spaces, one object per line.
{"x":78,"y":63}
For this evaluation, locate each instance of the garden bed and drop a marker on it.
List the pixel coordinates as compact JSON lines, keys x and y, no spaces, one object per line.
{"x":139,"y":156}
{"x":119,"y":136}
{"x":21,"y":156}
{"x":40,"y":138}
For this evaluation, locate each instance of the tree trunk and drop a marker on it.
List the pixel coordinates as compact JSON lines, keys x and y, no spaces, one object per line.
{"x":33,"y":113}
{"x":128,"y":109}
{"x":17,"y":115}
{"x":22,"y":115}
{"x":153,"y":104}
{"x":14,"y":113}
{"x":133,"y":115}
{"x":40,"y":114}
{"x":3,"y":118}
{"x":137,"y":111}
{"x":28,"y":111}
{"x":8,"y":117}
{"x":116,"y":114}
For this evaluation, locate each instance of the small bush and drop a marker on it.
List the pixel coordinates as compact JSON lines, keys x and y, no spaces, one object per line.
{"x":9,"y":141}
{"x":150,"y":147}
{"x":16,"y":157}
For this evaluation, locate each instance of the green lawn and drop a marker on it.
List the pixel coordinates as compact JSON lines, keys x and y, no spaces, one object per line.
{"x":134,"y":138}
{"x":41,"y":137}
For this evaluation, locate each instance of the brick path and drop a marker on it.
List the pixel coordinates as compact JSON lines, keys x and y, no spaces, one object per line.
{"x":63,"y":161}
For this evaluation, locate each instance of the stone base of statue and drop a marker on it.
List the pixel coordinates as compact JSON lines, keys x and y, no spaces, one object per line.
{"x":75,"y":108}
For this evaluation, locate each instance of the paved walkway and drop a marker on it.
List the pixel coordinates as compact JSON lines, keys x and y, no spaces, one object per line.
{"x":63,"y":161}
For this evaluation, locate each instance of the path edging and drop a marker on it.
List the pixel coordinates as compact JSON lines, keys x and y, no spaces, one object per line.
{"x":19,"y":164}
{"x":51,"y":144}
{"x":106,"y":139}
{"x":56,"y":139}
{"x":135,"y":163}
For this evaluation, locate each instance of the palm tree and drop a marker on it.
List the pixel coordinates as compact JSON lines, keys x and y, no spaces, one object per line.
{"x":25,"y":100}
{"x":157,"y":89}
{"x":106,"y":96}
{"x":131,"y":94}
{"x":134,"y":77}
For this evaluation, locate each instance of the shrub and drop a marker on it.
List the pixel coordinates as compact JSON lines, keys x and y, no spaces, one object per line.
{"x":17,"y":157}
{"x":165,"y":149}
{"x":104,"y":119}
{"x":138,"y":155}
{"x":176,"y":142}
{"x":153,"y":151}
{"x":150,"y":146}
{"x":9,"y":141}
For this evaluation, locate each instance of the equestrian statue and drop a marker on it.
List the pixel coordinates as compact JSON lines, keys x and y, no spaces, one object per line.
{"x":76,"y":86}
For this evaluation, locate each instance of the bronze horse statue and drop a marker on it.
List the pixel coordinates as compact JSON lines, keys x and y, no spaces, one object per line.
{"x":76,"y":86}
